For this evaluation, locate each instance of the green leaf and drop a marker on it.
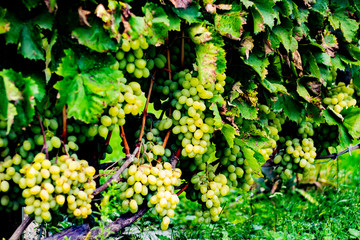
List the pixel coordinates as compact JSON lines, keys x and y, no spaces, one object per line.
{"x":94,"y":37}
{"x":246,"y":110}
{"x":259,"y":64}
{"x":229,"y":133}
{"x":320,"y":6}
{"x":21,"y":93}
{"x":307,"y":196}
{"x":86,"y":88}
{"x":249,"y":157}
{"x":3,"y":99}
{"x":292,"y":108}
{"x":312,"y":64}
{"x":274,"y":86}
{"x":217,"y":118}
{"x":340,"y":19}
{"x":230,"y":24}
{"x":352,"y":121}
{"x":4,"y":23}
{"x":206,"y":56}
{"x":212,"y":157}
{"x":30,"y":46}
{"x":31,"y":3}
{"x":354,"y":232}
{"x":191,"y":14}
{"x":263,"y":13}
{"x":158,"y":23}
{"x":247,"y":3}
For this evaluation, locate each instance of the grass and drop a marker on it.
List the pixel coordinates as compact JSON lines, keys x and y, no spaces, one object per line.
{"x":286,"y":215}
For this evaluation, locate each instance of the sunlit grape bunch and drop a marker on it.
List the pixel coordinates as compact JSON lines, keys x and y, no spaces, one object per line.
{"x":128,"y":102}
{"x":210,"y":190}
{"x":340,"y":97}
{"x":9,"y":180}
{"x":48,"y":185}
{"x":235,"y":168}
{"x":298,"y":157}
{"x":154,"y":183}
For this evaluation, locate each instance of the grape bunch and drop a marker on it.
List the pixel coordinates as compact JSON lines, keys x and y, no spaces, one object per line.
{"x":208,"y":192}
{"x":48,"y":185}
{"x":154,"y":183}
{"x":128,"y":102}
{"x":9,"y":180}
{"x":340,"y":97}
{"x":235,"y":167}
{"x":297,"y":158}
{"x":273,"y":127}
{"x":131,"y":57}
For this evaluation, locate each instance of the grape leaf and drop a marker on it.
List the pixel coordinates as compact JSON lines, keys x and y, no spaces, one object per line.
{"x":259,"y":64}
{"x":212,"y":157}
{"x":191,"y":14}
{"x":352,"y":121}
{"x":31,"y":3}
{"x":263,"y":14}
{"x":217,"y":118}
{"x":30,"y":46}
{"x":274,"y":86}
{"x":348,"y":26}
{"x":21,"y":92}
{"x":230,"y":24}
{"x":249,"y":156}
{"x":206,"y":56}
{"x":229,"y":133}
{"x":94,"y":37}
{"x":246,"y":110}
{"x":158,"y":23}
{"x":86,"y":88}
{"x":293,"y":109}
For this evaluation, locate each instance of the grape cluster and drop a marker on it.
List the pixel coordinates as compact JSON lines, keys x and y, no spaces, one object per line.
{"x":192,"y":126}
{"x":131,"y":59}
{"x":128,"y":102}
{"x":306,"y":129}
{"x":210,"y":189}
{"x":48,"y":185}
{"x":235,"y":167}
{"x":274,"y":127}
{"x":9,"y":180}
{"x":297,"y":158}
{"x":340,"y":97}
{"x":156,"y":183}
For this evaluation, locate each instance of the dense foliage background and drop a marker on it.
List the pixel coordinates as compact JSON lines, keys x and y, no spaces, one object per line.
{"x":160,"y":97}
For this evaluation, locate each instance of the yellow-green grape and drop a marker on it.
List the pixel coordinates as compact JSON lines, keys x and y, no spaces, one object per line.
{"x":340,"y":97}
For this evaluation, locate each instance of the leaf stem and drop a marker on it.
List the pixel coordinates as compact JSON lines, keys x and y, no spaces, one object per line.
{"x":123,"y":137}
{"x":45,"y":147}
{"x":115,"y":177}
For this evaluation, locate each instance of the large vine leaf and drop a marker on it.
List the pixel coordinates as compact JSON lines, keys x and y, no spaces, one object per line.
{"x":229,"y":133}
{"x":19,"y":96}
{"x":86,"y":88}
{"x":191,"y":14}
{"x":206,"y":59}
{"x":348,"y":26}
{"x":352,"y":121}
{"x":230,"y":24}
{"x":258,"y":64}
{"x":94,"y":37}
{"x":246,"y":111}
{"x":263,"y":14}
{"x":253,"y":162}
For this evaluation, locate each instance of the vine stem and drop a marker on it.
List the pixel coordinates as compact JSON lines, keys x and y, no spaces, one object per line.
{"x":64,"y":119}
{"x":335,"y":155}
{"x":164,"y":143}
{"x":115,"y":177}
{"x":182,"y":189}
{"x":168,"y":57}
{"x":123,"y":137}
{"x":182,"y":58}
{"x":45,"y":147}
{"x":21,"y":228}
{"x":145,"y":110}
